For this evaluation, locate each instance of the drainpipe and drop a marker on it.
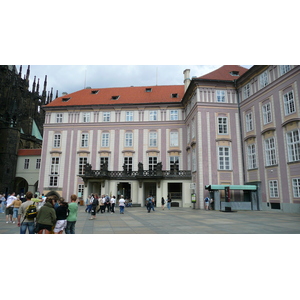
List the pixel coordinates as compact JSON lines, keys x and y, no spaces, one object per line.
{"x":241,"y":134}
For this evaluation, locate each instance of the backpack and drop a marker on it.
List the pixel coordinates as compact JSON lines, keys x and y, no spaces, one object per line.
{"x":107,"y":200}
{"x":31,"y":212}
{"x":95,"y":202}
{"x":206,"y":199}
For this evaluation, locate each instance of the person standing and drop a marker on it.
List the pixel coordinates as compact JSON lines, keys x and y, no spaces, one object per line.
{"x":94,"y":208}
{"x":15,"y":205}
{"x":107,"y":203}
{"x":46,"y":217}
{"x":9,"y":209}
{"x":62,"y":212}
{"x":149,"y":204}
{"x":26,"y":223}
{"x":152,"y":203}
{"x":122,"y":204}
{"x":206,"y":202}
{"x":72,"y":217}
{"x":163,"y":202}
{"x":169,"y":202}
{"x":2,"y":203}
{"x":112,"y":204}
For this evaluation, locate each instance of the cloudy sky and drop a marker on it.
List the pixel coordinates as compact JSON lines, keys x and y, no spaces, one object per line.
{"x":71,"y":78}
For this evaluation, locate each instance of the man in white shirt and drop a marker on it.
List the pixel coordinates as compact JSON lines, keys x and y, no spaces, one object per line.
{"x":113,"y":203}
{"x":9,"y":210}
{"x":122,"y":204}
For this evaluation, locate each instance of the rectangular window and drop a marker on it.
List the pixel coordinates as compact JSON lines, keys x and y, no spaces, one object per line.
{"x":106,"y":117}
{"x":251,"y":157}
{"x":194,"y":160}
{"x":270,"y":151}
{"x":247,"y":91}
{"x":267,"y":115}
{"x":86,"y":117}
{"x":174,"y":163}
{"x":103,"y":161}
{"x":82,"y":163}
{"x":129,"y":116}
{"x":224,"y":158}
{"x":54,"y":166}
{"x":26,"y":163}
{"x":293,"y":145}
{"x":174,"y":115}
{"x":128,"y":139}
{"x":85,"y":140}
{"x":223,"y":127}
{"x":105,"y":140}
{"x":249,"y":122}
{"x":53,"y":180}
{"x":59,"y":118}
{"x":80,"y":190}
{"x":220,"y":96}
{"x":38,"y":163}
{"x":284,"y":69}
{"x":152,"y":163}
{"x":128,"y":164}
{"x":152,"y":139}
{"x":174,"y":139}
{"x":153,"y":115}
{"x":289,"y":103}
{"x":273,"y":186}
{"x":263,"y":79}
{"x":296,"y":187}
{"x":56,"y":142}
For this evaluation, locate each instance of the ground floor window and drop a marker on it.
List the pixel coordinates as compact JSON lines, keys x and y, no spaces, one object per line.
{"x":273,"y":186}
{"x":296,"y":187}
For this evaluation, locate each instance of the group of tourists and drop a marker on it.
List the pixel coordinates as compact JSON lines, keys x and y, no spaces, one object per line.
{"x":151,"y":203}
{"x":41,"y":214}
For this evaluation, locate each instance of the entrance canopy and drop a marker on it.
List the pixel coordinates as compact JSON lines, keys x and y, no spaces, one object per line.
{"x":232,"y":187}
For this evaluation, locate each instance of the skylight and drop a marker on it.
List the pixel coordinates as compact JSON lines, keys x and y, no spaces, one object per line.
{"x":115,"y":97}
{"x":234,"y":73}
{"x":148,"y":90}
{"x":66,"y":99}
{"x":94,"y":92}
{"x":174,"y":95}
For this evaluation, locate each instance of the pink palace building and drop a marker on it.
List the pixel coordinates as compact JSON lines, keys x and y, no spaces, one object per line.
{"x":232,"y":135}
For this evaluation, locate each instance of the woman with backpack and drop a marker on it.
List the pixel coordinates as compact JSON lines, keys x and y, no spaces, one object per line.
{"x":46,"y":217}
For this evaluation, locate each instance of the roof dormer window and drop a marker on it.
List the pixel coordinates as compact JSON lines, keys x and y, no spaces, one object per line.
{"x":174,"y":95}
{"x":115,"y":97}
{"x":66,"y":99}
{"x":94,"y":92}
{"x":235,"y":73}
{"x":148,"y":90}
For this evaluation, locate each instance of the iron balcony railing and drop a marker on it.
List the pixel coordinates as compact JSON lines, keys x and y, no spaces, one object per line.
{"x":141,"y":174}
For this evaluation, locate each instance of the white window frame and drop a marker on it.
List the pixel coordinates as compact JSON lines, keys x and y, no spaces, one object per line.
{"x":86,"y":117}
{"x":246,"y":90}
{"x":174,"y":163}
{"x":128,"y":163}
{"x":221,"y":96}
{"x":273,"y":188}
{"x":128,"y":139}
{"x":103,"y":160}
{"x":263,"y":79}
{"x":129,"y":116}
{"x":222,"y":125}
{"x":54,"y":168}
{"x":289,"y":103}
{"x":270,"y":151}
{"x":59,"y":118}
{"x":105,"y":139}
{"x":152,"y":139}
{"x":252,"y":162}
{"x":152,"y":163}
{"x":174,"y":115}
{"x":224,"y":158}
{"x":57,"y":140}
{"x":174,"y":139}
{"x":26,"y":163}
{"x":82,"y":161}
{"x":293,"y":145}
{"x":249,"y":122}
{"x":153,"y":115}
{"x":106,"y":116}
{"x":38,"y":163}
{"x":284,"y":69}
{"x":80,"y":190}
{"x":296,"y":187}
{"x":267,"y":113}
{"x":84,"y":140}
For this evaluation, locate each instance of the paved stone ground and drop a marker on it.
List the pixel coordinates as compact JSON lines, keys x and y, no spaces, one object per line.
{"x":136,"y":220}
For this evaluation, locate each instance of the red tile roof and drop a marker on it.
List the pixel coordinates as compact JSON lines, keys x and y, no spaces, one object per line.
{"x":127,"y":95}
{"x":223,"y":73}
{"x":29,"y":152}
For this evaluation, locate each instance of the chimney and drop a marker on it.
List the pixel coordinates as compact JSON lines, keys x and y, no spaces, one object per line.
{"x":187,"y":79}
